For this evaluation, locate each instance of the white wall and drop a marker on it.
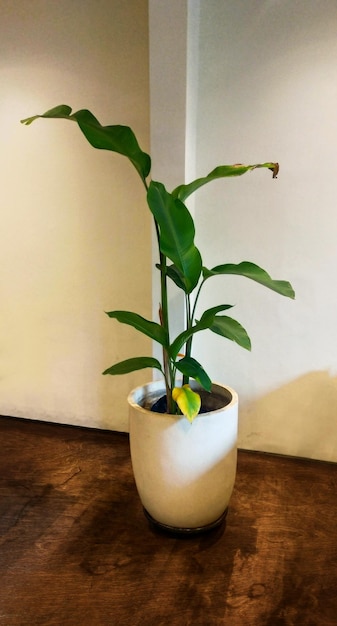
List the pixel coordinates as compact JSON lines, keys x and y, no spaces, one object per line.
{"x":255,"y":81}
{"x":267,"y":90}
{"x":168,"y":23}
{"x":75,"y":229}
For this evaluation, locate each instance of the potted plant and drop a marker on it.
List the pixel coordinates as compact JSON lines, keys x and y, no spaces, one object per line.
{"x":183,"y":429}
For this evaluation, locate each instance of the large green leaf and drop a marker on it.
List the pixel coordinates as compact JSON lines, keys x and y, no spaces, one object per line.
{"x":190,"y":367}
{"x":205,"y":322}
{"x":61,"y":111}
{"x":175,"y":274}
{"x":117,"y":138}
{"x":250,"y":270}
{"x":231,"y":329}
{"x":151,"y":329}
{"x":176,"y":233}
{"x":131,"y":365}
{"x":209,"y":314}
{"x":223,"y":171}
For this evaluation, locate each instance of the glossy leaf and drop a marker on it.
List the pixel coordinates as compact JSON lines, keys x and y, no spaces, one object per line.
{"x":61,"y":111}
{"x":176,"y":233}
{"x":204,"y":323}
{"x":231,"y":329}
{"x":210,"y":313}
{"x":175,"y":274}
{"x":254,"y":272}
{"x":151,"y":329}
{"x":223,"y":171}
{"x":190,"y":367}
{"x":188,"y":401}
{"x":131,"y":365}
{"x":117,"y":138}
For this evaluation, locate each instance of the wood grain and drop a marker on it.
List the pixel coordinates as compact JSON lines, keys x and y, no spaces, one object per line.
{"x":76,"y":549}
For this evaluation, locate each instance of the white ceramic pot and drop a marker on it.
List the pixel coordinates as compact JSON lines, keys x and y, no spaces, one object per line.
{"x":184,"y":472}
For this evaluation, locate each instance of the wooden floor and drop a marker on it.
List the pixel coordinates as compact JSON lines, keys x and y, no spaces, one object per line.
{"x":76,"y":549}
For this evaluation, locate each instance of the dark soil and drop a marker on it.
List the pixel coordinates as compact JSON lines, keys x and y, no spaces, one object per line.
{"x":160,"y":406}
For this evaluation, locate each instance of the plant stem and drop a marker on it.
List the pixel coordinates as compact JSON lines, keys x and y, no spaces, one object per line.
{"x":169,"y":371}
{"x":189,"y":321}
{"x":196,"y":300}
{"x":164,"y":320}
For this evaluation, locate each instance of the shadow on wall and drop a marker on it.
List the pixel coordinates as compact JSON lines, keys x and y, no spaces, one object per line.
{"x":298,"y":419}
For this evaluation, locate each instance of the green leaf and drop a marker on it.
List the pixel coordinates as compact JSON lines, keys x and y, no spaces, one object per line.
{"x":209,"y":314}
{"x":190,"y":367}
{"x":117,"y":138}
{"x":175,"y":274}
{"x":231,"y":329}
{"x":223,"y":171}
{"x":256,"y":273}
{"x":151,"y":329}
{"x":61,"y":111}
{"x":131,"y":365}
{"x":179,"y":341}
{"x":177,"y":232}
{"x":188,"y":401}
{"x":204,"y":323}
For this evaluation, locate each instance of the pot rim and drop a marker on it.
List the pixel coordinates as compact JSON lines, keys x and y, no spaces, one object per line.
{"x":143,"y":391}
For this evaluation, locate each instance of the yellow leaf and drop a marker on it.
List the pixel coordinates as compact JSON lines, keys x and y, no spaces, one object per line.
{"x":188,"y":401}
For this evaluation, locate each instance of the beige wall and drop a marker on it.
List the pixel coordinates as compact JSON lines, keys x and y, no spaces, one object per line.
{"x":75,"y":229}
{"x":230,"y":81}
{"x":267,"y":91}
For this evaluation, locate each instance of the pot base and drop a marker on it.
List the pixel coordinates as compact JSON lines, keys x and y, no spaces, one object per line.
{"x":185,"y":532}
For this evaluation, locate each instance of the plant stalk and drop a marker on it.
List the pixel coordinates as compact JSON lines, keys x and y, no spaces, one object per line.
{"x":164,"y":321}
{"x":189,"y":321}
